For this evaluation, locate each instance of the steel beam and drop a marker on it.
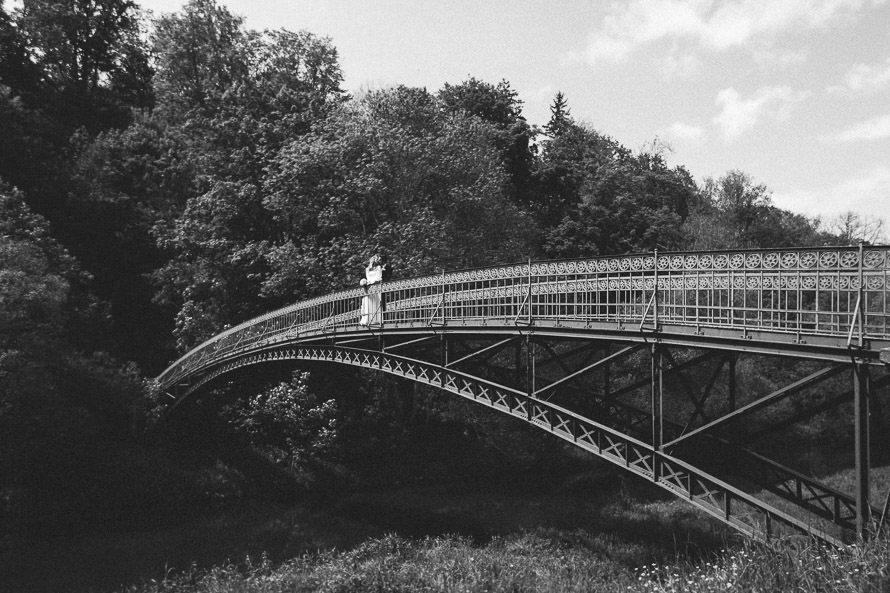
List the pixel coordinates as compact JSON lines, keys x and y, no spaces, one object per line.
{"x":574,"y":375}
{"x":487,"y":349}
{"x":766,"y":400}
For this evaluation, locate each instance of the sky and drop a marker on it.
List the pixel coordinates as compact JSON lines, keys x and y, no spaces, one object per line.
{"x":795,"y":93}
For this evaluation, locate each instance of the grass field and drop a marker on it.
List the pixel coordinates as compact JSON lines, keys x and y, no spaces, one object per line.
{"x":630,"y":540}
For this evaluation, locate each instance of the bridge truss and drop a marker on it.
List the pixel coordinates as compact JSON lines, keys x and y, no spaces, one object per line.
{"x":635,"y":359}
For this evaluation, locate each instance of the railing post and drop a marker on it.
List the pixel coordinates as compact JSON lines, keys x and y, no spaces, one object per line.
{"x":529,"y":295}
{"x":861,"y":299}
{"x":655,"y":288}
{"x":442,"y":298}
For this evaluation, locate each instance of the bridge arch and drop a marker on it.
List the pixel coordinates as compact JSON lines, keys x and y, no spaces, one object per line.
{"x":826,"y":305}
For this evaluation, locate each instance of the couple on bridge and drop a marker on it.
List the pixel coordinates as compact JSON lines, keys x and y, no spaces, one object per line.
{"x":373,"y":305}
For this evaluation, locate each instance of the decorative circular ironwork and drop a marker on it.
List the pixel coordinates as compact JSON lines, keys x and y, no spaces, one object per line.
{"x":849,"y":259}
{"x":613,"y":284}
{"x":691,"y":262}
{"x":650,"y":283}
{"x":873,"y":259}
{"x":613,"y":264}
{"x":705,"y":262}
{"x":736,"y":261}
{"x":676,"y":282}
{"x":624,"y":264}
{"x":603,"y":284}
{"x":753,"y":282}
{"x":571,"y":267}
{"x":828,"y":259}
{"x":602,"y":265}
{"x":752,"y":260}
{"x":789,"y":260}
{"x":636,"y":263}
{"x":676,"y":262}
{"x":855,"y":282}
{"x":663,"y":262}
{"x":649,"y":262}
{"x":826,"y":282}
{"x":874,"y":282}
{"x":704,"y":282}
{"x":808,"y":259}
{"x":843,"y":282}
{"x":524,"y":270}
{"x":771,"y":260}
{"x":721,"y":261}
{"x":738,"y":282}
{"x":691,"y":281}
{"x":808,"y":282}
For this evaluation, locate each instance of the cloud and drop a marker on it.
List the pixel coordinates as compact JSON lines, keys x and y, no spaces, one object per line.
{"x":876,"y":128}
{"x":866,"y":192}
{"x":864,"y":78}
{"x":686,"y":133}
{"x":738,"y":114}
{"x":675,"y":66}
{"x":712,"y":25}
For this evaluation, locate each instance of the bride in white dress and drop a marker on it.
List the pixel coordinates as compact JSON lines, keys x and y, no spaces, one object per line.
{"x":371,"y":312}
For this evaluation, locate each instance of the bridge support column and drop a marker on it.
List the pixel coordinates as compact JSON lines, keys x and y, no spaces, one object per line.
{"x":529,"y":371}
{"x":657,"y":399}
{"x":861,"y":396}
{"x":733,"y":357}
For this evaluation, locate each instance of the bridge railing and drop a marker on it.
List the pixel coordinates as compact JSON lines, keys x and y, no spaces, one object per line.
{"x":837,"y":292}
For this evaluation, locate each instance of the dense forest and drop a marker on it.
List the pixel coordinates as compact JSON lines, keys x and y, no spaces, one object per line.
{"x":163,"y":177}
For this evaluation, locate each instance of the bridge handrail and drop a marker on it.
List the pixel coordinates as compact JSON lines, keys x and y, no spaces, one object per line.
{"x":839,"y":292}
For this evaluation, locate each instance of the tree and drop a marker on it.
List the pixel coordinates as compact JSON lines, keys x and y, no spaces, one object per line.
{"x":82,"y":48}
{"x":850,"y":228}
{"x":61,"y":412}
{"x":199,"y":54}
{"x":560,"y":117}
{"x":735,"y":212}
{"x":236,"y":97}
{"x":288,"y":423}
{"x":389,"y":172}
{"x":499,"y":105}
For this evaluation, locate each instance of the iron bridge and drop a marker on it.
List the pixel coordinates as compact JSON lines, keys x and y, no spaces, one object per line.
{"x":634,"y":359}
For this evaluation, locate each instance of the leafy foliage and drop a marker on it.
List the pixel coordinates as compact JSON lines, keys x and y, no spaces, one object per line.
{"x":288,"y":423}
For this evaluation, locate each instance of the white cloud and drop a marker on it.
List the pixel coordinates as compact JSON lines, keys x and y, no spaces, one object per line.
{"x":713,"y":25}
{"x":675,"y":66}
{"x":867,"y":192}
{"x":686,"y":133}
{"x":864,"y":78}
{"x":876,"y":128}
{"x":738,"y":114}
{"x":773,"y":59}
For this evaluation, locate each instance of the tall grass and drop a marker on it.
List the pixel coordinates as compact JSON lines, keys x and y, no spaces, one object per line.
{"x":546,"y":561}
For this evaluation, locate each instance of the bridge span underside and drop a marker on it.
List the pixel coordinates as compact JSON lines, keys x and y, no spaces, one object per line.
{"x":649,"y":361}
